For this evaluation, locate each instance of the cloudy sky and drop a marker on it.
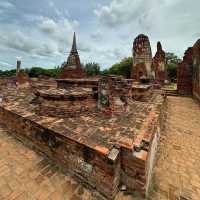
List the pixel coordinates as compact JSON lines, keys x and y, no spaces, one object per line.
{"x":40,"y":32}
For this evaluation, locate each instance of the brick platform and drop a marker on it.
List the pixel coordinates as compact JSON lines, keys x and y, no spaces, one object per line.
{"x":100,"y":150}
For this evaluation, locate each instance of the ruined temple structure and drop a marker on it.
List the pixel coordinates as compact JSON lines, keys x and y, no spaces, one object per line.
{"x":72,"y":69}
{"x":196,"y":70}
{"x":104,"y":131}
{"x":142,"y":59}
{"x":22,"y":79}
{"x":159,"y":65}
{"x":93,"y":129}
{"x":189,"y":72}
{"x":184,"y":73}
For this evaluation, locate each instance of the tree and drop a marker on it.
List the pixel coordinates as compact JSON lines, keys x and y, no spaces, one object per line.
{"x":172,"y":62}
{"x":171,"y":58}
{"x":92,"y":69}
{"x":122,"y":68}
{"x":38,"y":71}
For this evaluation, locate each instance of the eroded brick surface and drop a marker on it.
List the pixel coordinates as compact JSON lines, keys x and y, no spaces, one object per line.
{"x":177,"y":169}
{"x":25,"y":175}
{"x":142,"y":58}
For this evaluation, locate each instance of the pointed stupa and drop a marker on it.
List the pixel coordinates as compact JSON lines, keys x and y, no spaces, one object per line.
{"x":72,"y":68}
{"x":74,"y":46}
{"x":73,"y":59}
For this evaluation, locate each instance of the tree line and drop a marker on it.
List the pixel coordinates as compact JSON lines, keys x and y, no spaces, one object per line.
{"x":93,"y":69}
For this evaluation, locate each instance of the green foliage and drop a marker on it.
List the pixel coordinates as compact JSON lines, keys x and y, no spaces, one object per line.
{"x":11,"y":72}
{"x":34,"y":72}
{"x":171,"y":58}
{"x":122,"y":68}
{"x":105,"y":72}
{"x":92,"y":69}
{"x":172,"y":71}
{"x":38,"y":71}
{"x":172,"y":61}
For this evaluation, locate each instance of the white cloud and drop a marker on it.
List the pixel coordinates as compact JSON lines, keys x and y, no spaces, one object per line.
{"x":48,"y":25}
{"x":120,"y":12}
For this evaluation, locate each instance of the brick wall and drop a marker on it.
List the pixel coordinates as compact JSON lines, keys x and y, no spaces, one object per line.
{"x":88,"y":166}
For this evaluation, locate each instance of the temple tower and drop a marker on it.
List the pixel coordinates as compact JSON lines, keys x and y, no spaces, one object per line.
{"x":142,"y":58}
{"x":72,"y":68}
{"x":159,"y":64}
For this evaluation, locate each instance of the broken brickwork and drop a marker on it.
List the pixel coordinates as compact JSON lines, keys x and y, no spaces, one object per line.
{"x":184,"y":73}
{"x":159,"y":65}
{"x":142,"y":92}
{"x":22,"y":78}
{"x":188,"y":72}
{"x":142,"y":58}
{"x":64,"y":103}
{"x":114,"y":94}
{"x":74,"y":83}
{"x":196,"y":70}
{"x":72,"y":69}
{"x":101,"y":150}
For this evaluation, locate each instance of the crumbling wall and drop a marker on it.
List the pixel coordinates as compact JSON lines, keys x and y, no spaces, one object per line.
{"x":66,"y":108}
{"x":196,"y":69}
{"x":114,"y":94}
{"x":92,"y":168}
{"x":189,"y":72}
{"x":67,"y":73}
{"x":184,"y":73}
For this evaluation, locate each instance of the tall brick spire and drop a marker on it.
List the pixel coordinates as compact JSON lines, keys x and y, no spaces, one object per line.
{"x":73,"y":59}
{"x":72,"y":68}
{"x":74,"y":47}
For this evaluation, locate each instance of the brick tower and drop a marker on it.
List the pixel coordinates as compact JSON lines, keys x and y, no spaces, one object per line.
{"x":72,"y":68}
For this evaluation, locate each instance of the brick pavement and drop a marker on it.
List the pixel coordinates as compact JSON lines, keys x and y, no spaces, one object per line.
{"x":25,"y":175}
{"x":177,"y":172}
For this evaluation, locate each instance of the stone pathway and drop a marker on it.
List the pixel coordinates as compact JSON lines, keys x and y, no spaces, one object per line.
{"x":177,"y":172}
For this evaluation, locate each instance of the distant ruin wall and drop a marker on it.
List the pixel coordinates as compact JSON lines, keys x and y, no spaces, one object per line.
{"x":188,"y":72}
{"x":184,"y":73}
{"x":196,"y":70}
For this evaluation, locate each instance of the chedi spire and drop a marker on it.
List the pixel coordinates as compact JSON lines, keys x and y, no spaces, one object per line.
{"x":74,"y":46}
{"x":72,"y":68}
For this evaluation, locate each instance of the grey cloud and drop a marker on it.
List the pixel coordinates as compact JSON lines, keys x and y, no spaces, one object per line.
{"x":6,"y":5}
{"x":97,"y":36}
{"x":48,"y":26}
{"x":120,"y":12}
{"x":61,"y":30}
{"x":25,"y":43}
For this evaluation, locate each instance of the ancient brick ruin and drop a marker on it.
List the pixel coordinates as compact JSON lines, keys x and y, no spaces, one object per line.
{"x":196,"y":70}
{"x":188,"y":72}
{"x":145,"y":68}
{"x":104,"y":132}
{"x":22,"y":79}
{"x":142,"y":58}
{"x":72,"y":68}
{"x":159,"y":65}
